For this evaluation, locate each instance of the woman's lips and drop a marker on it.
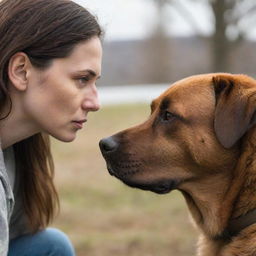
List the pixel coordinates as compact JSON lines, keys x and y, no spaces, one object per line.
{"x":79,"y":124}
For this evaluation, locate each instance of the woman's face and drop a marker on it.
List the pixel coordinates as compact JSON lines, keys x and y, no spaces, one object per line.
{"x":59,"y":98}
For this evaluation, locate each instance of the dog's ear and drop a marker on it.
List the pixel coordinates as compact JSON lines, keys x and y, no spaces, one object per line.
{"x":235,"y":109}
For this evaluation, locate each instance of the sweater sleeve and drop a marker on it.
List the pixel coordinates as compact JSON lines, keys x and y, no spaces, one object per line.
{"x":4,"y":226}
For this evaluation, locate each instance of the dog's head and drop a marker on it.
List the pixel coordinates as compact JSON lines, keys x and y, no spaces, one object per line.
{"x":194,"y":131}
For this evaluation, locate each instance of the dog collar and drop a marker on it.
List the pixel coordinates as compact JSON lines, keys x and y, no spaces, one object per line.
{"x":238,"y":224}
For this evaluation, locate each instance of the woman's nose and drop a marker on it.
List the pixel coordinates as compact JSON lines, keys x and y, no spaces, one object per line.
{"x":91,"y":101}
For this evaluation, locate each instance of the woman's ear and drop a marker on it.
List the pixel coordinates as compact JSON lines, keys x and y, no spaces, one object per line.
{"x":18,"y":70}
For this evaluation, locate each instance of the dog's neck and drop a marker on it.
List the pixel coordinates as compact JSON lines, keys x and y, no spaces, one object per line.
{"x":246,"y":198}
{"x":231,"y":195}
{"x":242,"y":194}
{"x":205,"y":203}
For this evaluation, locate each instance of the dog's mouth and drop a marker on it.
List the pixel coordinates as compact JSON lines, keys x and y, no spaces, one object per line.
{"x":161,"y":186}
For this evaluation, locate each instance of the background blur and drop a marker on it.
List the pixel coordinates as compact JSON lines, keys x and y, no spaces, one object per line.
{"x":148,"y":45}
{"x":161,"y":41}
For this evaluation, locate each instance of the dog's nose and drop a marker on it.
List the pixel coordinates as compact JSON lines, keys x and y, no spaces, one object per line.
{"x":108,"y":145}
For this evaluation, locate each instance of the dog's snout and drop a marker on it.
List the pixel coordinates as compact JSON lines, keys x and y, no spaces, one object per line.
{"x":108,"y":145}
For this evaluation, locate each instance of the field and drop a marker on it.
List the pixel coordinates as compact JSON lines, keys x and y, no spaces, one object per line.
{"x":104,"y":217}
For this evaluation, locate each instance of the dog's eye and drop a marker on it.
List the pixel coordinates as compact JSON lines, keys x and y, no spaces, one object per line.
{"x":168,"y":116}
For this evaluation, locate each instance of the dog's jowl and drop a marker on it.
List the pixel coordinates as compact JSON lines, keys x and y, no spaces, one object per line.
{"x":201,"y":140}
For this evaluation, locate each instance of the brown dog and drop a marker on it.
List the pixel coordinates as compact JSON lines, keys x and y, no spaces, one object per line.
{"x":199,"y":139}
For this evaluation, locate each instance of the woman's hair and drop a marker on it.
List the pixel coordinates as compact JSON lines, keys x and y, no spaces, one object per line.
{"x":44,"y":30}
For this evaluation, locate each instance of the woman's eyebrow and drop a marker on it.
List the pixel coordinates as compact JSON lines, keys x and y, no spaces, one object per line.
{"x":91,"y":73}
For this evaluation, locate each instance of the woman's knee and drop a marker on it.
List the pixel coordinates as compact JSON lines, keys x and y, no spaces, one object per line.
{"x":50,"y":241}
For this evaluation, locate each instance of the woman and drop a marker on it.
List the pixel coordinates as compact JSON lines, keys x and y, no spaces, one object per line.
{"x":50,"y":59}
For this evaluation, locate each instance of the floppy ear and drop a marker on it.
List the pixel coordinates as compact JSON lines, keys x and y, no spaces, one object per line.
{"x":235,"y":109}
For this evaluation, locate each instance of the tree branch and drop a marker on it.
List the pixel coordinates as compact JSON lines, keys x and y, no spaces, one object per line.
{"x":240,"y":16}
{"x":183,"y":10}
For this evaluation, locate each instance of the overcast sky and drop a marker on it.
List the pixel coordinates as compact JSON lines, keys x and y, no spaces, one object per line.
{"x":134,"y":19}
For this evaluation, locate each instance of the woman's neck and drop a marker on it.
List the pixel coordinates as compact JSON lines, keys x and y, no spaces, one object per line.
{"x":16,"y":126}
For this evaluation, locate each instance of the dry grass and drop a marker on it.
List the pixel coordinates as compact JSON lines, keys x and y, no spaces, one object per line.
{"x":102,"y":216}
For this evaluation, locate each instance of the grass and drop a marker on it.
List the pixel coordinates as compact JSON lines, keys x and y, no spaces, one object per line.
{"x":104,"y":217}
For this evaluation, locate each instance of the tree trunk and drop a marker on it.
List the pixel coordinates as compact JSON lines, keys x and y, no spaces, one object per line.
{"x":157,"y":52}
{"x":220,"y":43}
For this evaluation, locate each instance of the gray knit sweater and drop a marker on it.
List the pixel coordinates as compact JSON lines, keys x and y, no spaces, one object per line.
{"x":6,"y":206}
{"x":12,"y":217}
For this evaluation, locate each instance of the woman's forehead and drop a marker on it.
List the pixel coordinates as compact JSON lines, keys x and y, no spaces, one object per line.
{"x":85,"y":56}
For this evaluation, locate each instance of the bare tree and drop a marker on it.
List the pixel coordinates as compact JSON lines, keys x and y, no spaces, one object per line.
{"x":158,"y":47}
{"x":232,"y":22}
{"x":228,"y":18}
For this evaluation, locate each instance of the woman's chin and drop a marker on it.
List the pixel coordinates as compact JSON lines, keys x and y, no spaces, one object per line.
{"x":65,"y":138}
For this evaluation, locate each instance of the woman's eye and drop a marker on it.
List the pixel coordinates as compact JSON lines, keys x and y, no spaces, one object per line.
{"x":168,"y":116}
{"x":83,"y":80}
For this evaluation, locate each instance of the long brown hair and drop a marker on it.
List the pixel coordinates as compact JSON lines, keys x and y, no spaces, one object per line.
{"x":44,"y":30}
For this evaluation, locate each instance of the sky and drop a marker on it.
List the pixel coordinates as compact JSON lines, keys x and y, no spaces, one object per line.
{"x":135,"y":19}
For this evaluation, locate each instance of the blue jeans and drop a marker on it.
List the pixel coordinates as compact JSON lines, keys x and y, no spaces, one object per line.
{"x":48,"y":242}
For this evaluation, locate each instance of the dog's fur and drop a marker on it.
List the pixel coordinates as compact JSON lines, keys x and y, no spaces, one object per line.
{"x":200,"y":139}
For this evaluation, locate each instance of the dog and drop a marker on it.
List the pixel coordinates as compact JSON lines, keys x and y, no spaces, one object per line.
{"x":201,"y":140}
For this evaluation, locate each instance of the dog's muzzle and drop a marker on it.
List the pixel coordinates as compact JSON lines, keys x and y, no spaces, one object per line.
{"x":125,"y":166}
{"x":108,"y":146}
